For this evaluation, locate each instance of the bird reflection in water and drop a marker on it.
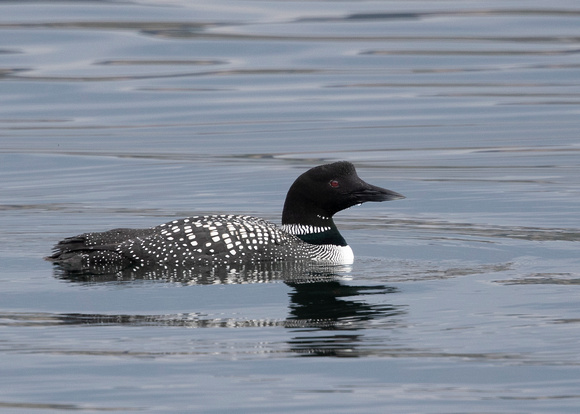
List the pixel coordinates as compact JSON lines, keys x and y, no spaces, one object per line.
{"x":327,"y":313}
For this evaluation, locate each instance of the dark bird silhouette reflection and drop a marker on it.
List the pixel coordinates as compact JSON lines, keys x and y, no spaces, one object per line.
{"x":328,"y":317}
{"x":327,"y":313}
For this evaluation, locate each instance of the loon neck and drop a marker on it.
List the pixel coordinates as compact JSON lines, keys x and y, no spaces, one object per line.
{"x":315,"y":229}
{"x":308,"y":214}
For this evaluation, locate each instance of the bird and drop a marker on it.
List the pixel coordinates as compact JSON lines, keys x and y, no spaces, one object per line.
{"x":308,"y":232}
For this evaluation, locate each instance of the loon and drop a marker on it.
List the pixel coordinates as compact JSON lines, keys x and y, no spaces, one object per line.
{"x":307,"y":232}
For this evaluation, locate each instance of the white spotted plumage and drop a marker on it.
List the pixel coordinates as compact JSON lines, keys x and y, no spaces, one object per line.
{"x":225,"y":239}
{"x":207,"y":239}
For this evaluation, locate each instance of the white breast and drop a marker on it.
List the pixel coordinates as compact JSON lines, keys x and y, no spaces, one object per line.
{"x":346,"y":256}
{"x":336,"y":255}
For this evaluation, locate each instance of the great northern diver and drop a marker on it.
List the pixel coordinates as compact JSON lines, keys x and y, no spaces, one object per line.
{"x":307,"y":232}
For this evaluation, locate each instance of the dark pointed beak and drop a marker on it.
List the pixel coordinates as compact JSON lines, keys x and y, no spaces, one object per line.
{"x":373,"y":193}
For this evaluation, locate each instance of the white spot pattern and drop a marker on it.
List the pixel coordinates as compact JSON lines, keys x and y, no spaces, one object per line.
{"x":214,"y":239}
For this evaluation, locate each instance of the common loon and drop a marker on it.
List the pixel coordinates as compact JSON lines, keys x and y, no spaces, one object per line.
{"x":307,"y":232}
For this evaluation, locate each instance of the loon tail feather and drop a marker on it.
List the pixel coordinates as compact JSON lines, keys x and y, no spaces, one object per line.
{"x":106,"y":240}
{"x":94,"y":249}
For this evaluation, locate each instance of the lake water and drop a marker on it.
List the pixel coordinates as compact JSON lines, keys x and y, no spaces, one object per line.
{"x":464,"y":297}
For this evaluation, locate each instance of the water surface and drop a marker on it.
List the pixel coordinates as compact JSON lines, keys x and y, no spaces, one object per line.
{"x":463,"y":297}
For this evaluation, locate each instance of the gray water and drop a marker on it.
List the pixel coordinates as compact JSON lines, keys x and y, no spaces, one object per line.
{"x":464,"y":297}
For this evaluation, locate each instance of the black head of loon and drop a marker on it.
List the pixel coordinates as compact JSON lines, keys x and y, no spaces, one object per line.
{"x":321,"y":192}
{"x":307,"y":233}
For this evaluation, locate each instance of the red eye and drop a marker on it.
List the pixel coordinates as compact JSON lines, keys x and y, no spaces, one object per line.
{"x":334,"y":184}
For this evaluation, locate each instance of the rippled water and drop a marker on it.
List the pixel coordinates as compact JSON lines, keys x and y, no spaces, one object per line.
{"x":463,"y":297}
